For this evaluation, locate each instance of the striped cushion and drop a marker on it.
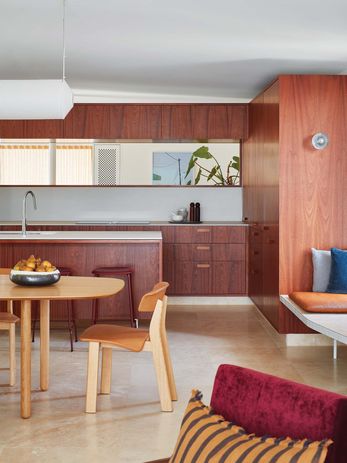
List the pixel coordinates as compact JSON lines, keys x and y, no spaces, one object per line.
{"x":208,"y":438}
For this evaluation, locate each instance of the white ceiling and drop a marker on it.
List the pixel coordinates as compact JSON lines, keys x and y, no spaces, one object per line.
{"x":219,"y":50}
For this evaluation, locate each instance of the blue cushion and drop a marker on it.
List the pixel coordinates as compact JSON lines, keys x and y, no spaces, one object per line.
{"x":338,"y":273}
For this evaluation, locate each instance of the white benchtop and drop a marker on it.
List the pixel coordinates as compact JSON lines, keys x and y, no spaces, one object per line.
{"x":82,"y":235}
{"x":123,"y":222}
{"x":333,"y":325}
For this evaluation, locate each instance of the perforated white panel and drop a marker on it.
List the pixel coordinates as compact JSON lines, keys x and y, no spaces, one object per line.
{"x":107,"y":163}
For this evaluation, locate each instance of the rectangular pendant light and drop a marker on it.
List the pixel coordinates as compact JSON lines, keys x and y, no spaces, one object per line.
{"x":35,"y":99}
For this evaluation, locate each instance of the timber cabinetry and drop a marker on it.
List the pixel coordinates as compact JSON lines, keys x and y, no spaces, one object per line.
{"x":204,"y":260}
{"x":197,"y":259}
{"x":165,"y":122}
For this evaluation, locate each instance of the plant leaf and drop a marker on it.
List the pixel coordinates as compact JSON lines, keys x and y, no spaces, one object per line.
{"x":190,"y":166}
{"x":212,"y":173}
{"x":202,"y":153}
{"x":189,"y":182}
{"x":197,"y":178}
{"x":236,"y":163}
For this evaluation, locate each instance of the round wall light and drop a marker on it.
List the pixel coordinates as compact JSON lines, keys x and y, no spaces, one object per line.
{"x":320,"y":140}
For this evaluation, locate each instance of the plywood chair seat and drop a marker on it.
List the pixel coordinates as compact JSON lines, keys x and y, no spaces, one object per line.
{"x":122,"y":336}
{"x":6,"y":317}
{"x":109,"y":337}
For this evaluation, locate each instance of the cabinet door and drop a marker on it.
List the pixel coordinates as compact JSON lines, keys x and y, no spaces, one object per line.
{"x":229,"y":252}
{"x":192,"y":278}
{"x":176,"y":122}
{"x":229,"y":278}
{"x":88,"y":121}
{"x":169,"y":267}
{"x":141,"y":122}
{"x":194,"y":121}
{"x":229,"y":234}
{"x":227,"y":121}
{"x":12,"y":129}
{"x":44,"y":129}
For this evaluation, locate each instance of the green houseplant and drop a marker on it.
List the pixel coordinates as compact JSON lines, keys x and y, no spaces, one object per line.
{"x":214,"y":174}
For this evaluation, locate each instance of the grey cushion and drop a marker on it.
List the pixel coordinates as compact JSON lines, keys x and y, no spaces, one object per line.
{"x":321,"y":270}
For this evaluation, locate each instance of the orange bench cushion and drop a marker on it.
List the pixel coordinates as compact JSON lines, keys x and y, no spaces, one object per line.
{"x":320,"y":302}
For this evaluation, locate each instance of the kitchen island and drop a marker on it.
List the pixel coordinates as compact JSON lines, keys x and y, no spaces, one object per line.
{"x":82,"y":252}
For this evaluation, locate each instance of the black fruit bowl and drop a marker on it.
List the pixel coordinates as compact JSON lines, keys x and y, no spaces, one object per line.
{"x":23,"y":278}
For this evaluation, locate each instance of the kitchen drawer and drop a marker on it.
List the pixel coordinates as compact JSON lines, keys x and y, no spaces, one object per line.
{"x":229,"y":234}
{"x":228,"y":278}
{"x":228,"y":252}
{"x":193,"y":252}
{"x":196,"y":234}
{"x":192,"y":278}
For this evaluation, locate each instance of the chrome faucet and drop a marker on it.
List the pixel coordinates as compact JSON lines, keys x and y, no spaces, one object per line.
{"x":24,"y":210}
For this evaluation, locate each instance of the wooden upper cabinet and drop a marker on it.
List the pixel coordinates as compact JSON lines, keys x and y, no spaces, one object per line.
{"x":107,"y":121}
{"x":202,"y":121}
{"x":141,"y":121}
{"x":176,"y":122}
{"x":12,"y":129}
{"x":88,"y":121}
{"x":138,"y":121}
{"x":44,"y":128}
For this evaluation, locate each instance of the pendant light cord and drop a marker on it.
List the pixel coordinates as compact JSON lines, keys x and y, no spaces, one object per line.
{"x":64,"y":45}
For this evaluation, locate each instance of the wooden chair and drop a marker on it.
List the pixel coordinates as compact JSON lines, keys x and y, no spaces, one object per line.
{"x":108,"y":337}
{"x":7,"y":323}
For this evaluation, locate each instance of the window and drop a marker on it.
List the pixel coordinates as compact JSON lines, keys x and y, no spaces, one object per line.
{"x":74,"y":165}
{"x":24,"y":165}
{"x":46,"y":164}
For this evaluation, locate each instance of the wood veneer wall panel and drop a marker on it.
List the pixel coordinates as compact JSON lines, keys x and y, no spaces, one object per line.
{"x":312,"y":188}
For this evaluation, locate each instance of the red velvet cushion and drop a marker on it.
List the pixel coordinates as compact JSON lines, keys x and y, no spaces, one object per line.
{"x":267,"y":405}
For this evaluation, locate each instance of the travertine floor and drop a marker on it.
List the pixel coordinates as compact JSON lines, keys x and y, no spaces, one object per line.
{"x":129,"y":426}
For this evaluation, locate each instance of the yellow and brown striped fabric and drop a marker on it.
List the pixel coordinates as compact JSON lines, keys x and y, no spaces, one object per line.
{"x":208,"y":438}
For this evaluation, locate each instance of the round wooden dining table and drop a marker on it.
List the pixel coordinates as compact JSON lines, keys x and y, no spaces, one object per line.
{"x":68,"y":288}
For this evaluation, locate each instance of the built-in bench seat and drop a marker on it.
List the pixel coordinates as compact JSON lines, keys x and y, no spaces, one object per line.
{"x":331,"y":322}
{"x":320,"y":302}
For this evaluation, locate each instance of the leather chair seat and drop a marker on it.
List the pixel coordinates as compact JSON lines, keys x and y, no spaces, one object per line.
{"x":122,"y":336}
{"x":320,"y":302}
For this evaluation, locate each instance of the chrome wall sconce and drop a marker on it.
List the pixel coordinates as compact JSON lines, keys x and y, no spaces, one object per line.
{"x":320,"y":140}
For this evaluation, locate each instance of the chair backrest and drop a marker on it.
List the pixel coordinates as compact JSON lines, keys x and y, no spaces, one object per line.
{"x":5,"y":271}
{"x":149,"y":300}
{"x":157,"y":328}
{"x":267,"y":405}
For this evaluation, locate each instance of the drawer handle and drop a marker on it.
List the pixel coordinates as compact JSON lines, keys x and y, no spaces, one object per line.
{"x":203,"y":230}
{"x":255,"y":234}
{"x":256,"y":253}
{"x":202,"y":265}
{"x":266,"y":227}
{"x":203,"y":248}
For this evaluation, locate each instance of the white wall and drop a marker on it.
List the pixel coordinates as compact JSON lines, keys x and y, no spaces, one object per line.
{"x":151,"y":203}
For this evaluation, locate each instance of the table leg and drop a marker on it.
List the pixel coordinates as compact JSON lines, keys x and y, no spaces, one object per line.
{"x":25,"y":358}
{"x":44,"y":345}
